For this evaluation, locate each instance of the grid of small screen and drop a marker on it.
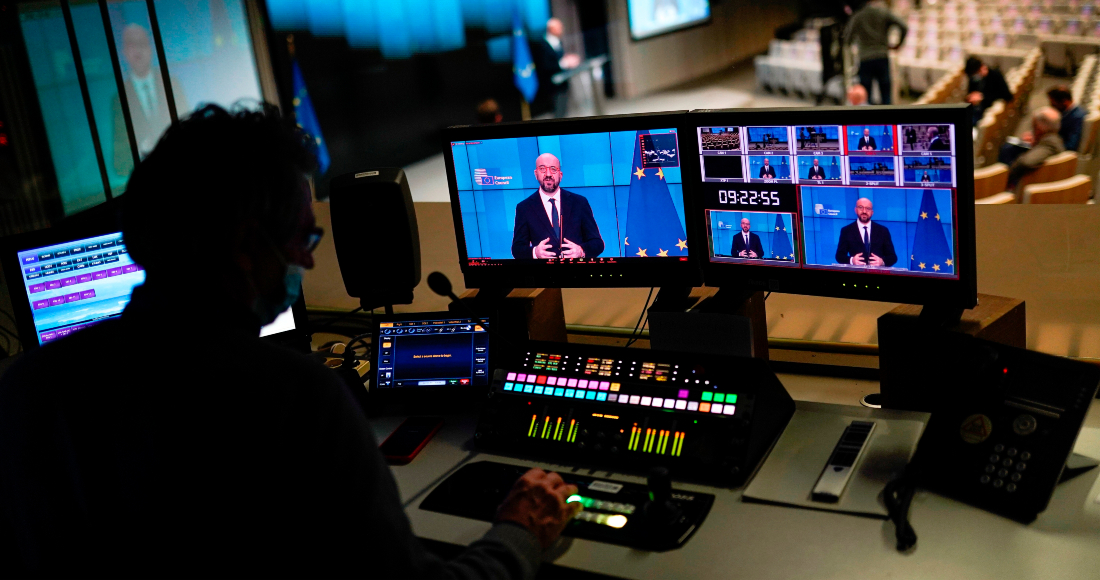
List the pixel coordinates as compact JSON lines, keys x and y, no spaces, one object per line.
{"x":875,"y":198}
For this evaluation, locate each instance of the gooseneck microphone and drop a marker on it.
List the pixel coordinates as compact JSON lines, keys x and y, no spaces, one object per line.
{"x":441,"y":284}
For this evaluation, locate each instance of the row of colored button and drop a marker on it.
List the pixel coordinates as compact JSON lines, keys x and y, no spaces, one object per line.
{"x":563,"y":382}
{"x":719,"y":397}
{"x":598,"y":504}
{"x":66,"y":299}
{"x":669,"y":403}
{"x":73,"y":251}
{"x":83,"y":278}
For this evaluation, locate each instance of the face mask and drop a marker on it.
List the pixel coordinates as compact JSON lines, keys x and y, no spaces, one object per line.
{"x":267,"y":311}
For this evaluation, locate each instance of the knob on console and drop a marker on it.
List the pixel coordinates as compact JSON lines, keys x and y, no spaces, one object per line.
{"x":660,"y":510}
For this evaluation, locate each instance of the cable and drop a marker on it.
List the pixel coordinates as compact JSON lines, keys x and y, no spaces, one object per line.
{"x":334,"y":320}
{"x":898,"y":496}
{"x":766,"y":296}
{"x":644,"y":315}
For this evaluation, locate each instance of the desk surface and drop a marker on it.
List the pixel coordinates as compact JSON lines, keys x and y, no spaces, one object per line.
{"x":749,"y":540}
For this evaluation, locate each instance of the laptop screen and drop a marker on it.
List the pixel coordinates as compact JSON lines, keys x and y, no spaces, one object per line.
{"x":80,"y":283}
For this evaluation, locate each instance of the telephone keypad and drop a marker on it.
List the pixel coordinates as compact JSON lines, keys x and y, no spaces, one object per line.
{"x":1004,"y":468}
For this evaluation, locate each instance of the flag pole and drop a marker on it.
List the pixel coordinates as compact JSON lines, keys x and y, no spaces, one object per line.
{"x":524,"y":110}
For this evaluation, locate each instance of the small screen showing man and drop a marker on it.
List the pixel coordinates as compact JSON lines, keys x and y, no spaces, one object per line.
{"x":769,"y":167}
{"x":927,"y":171}
{"x":923,"y":138}
{"x":554,"y":222}
{"x":864,"y":242}
{"x":871,"y":139}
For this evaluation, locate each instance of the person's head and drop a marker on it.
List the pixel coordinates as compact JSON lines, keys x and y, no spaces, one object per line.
{"x":866,"y":132}
{"x":745,"y":223}
{"x":233,"y":182}
{"x":932,"y":133}
{"x":975,"y":67}
{"x":864,"y":209}
{"x":1060,"y":98}
{"x":548,"y":172}
{"x":857,"y":95}
{"x":554,"y":27}
{"x":765,"y":162}
{"x":815,"y":162}
{"x":488,"y":111}
{"x":137,"y":49}
{"x":1045,"y":120}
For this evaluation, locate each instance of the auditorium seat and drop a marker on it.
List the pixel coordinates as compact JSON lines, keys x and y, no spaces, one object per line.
{"x":1076,"y":189}
{"x":990,"y":180}
{"x":1058,"y":167}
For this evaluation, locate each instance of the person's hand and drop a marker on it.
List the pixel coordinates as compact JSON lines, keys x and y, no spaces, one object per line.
{"x":537,"y":502}
{"x":743,"y":253}
{"x":752,"y":254}
{"x":570,"y":61}
{"x":875,"y":261}
{"x":1028,"y":137}
{"x":571,"y":250}
{"x":543,"y":250}
{"x":974,"y":98}
{"x":857,"y":260}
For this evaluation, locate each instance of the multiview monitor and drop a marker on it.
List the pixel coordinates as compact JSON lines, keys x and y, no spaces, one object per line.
{"x":572,"y":203}
{"x":61,"y":284}
{"x":862,"y":202}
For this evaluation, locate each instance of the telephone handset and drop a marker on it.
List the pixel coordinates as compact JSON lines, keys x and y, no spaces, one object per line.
{"x":1005,"y":421}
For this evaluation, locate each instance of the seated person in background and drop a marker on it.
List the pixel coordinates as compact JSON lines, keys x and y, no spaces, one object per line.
{"x":488,"y":111}
{"x":1073,"y":117}
{"x":857,"y":95}
{"x":747,"y":244}
{"x":986,"y":85}
{"x":246,"y":460}
{"x":1045,"y":143}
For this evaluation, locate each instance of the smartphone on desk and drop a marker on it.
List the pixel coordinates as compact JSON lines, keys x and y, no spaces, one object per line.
{"x":409,"y":438}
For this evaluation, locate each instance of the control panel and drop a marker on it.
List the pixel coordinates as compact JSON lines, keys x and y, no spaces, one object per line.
{"x":647,"y":517}
{"x":705,"y":417}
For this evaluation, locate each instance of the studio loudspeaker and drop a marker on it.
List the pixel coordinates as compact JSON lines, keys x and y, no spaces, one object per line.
{"x":376,"y":237}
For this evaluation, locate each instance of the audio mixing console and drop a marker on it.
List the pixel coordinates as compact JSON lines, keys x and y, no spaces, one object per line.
{"x":703,"y":417}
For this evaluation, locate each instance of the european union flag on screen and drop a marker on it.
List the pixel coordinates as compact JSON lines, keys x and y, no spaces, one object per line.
{"x":781,"y":240}
{"x":930,"y":250}
{"x":523,"y":68}
{"x":307,"y":118}
{"x":652,"y":225}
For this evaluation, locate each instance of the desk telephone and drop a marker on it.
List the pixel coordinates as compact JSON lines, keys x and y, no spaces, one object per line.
{"x":1004,"y":422}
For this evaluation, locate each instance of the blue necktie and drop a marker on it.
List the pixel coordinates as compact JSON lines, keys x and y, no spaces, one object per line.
{"x":556,"y":242}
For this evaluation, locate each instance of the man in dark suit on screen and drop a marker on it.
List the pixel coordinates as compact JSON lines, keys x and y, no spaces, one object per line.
{"x":864,"y":243}
{"x":766,"y":170}
{"x":747,"y":244}
{"x":867,"y":142}
{"x":935,"y":142}
{"x":817,"y":171}
{"x":554,"y":222}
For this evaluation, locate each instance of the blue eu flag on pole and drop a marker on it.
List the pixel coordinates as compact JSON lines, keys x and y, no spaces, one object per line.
{"x":652,"y":225}
{"x":930,"y":250}
{"x":307,"y":118}
{"x":523,"y":68}
{"x":781,"y":240}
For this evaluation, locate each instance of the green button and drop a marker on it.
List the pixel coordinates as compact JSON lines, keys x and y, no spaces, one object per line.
{"x":731,"y":398}
{"x":719,"y":398}
{"x":707,"y":395}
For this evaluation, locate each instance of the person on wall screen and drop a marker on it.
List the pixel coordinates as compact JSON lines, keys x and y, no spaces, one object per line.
{"x":867,"y":142}
{"x":864,"y":243}
{"x":747,"y":244}
{"x":766,"y":170}
{"x":817,"y":171}
{"x":554,"y":222}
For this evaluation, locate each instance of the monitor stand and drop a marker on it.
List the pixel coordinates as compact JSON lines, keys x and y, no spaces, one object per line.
{"x":729,"y":321}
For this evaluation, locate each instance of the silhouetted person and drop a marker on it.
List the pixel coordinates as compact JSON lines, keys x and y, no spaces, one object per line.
{"x":986,"y":86}
{"x":173,"y":441}
{"x":488,"y":111}
{"x":869,"y":29}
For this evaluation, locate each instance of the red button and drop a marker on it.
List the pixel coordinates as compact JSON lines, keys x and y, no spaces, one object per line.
{"x":463,"y":381}
{"x":541,"y":380}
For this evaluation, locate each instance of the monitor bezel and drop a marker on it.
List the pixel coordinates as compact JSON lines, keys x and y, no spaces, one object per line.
{"x":10,"y":246}
{"x":520,"y":274}
{"x":962,"y":292}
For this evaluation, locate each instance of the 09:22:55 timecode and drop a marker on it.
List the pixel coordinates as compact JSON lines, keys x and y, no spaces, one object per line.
{"x":749,"y":197}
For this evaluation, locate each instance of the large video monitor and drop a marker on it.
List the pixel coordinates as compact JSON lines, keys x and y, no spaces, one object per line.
{"x":571,"y":203}
{"x":62,"y":283}
{"x":873,"y":203}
